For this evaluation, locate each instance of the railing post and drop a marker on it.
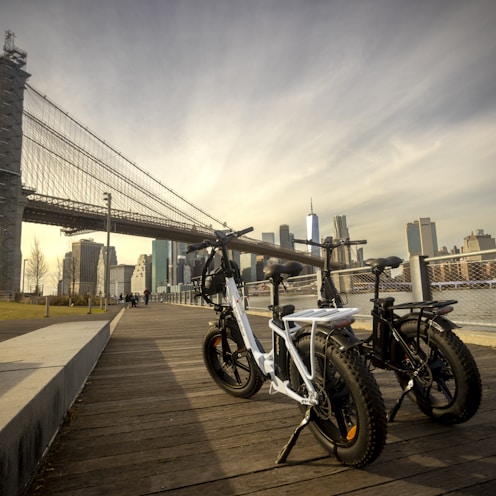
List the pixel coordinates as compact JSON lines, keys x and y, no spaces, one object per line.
{"x":421,"y":284}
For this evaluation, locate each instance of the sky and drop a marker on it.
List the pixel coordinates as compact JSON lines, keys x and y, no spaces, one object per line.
{"x":380,"y":110}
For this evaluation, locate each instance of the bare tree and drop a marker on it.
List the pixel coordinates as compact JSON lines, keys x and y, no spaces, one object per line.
{"x":56,"y":276}
{"x":73,"y":274}
{"x":37,"y":267}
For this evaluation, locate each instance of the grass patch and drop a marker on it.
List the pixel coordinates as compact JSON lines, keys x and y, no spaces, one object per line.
{"x":11,"y":311}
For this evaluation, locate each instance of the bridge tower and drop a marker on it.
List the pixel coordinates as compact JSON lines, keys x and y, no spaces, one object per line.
{"x":12,"y":199}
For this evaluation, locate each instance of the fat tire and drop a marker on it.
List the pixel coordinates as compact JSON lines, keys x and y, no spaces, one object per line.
{"x":239,"y":375}
{"x":459,"y":375}
{"x":351,"y":388}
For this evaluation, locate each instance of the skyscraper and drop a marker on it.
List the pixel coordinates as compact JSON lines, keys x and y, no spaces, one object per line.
{"x":421,"y":237}
{"x":248,"y":266}
{"x":340,"y":227}
{"x":313,"y":231}
{"x":342,"y":254}
{"x":100,"y":269}
{"x":142,"y":274}
{"x":269,"y":237}
{"x":479,"y":241}
{"x":83,"y":276}
{"x":285,"y":236}
{"x":160,"y":265}
{"x":120,"y":279}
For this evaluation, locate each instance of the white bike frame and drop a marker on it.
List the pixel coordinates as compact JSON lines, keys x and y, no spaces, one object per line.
{"x":265,"y":361}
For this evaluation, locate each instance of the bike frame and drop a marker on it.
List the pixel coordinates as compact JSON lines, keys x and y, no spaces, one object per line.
{"x":385,"y":333}
{"x":266,"y":361}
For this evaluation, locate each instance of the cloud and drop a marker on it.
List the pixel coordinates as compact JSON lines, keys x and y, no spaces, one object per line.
{"x":384,"y":112}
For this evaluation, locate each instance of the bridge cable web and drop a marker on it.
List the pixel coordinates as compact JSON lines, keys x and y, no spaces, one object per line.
{"x":64,"y":159}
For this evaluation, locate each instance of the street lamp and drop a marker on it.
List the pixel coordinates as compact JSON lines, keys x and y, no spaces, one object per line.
{"x":23,"y":274}
{"x":107,"y":197}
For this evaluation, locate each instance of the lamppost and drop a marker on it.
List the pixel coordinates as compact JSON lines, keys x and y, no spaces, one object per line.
{"x":23,"y":274}
{"x":107,"y":197}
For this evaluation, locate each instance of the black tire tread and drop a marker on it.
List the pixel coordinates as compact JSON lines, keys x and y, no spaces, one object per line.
{"x":256,"y":379}
{"x":359,"y":378}
{"x":469,"y":385}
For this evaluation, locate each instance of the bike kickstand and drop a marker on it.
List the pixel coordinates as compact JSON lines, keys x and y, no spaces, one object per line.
{"x":392,"y":413}
{"x":294,"y":437}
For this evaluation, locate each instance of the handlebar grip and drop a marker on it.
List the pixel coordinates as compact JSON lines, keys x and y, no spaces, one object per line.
{"x":196,"y":247}
{"x":307,"y":242}
{"x":360,"y":242}
{"x":244,"y":231}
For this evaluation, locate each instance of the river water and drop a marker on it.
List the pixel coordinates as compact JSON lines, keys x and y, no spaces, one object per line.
{"x":475,"y":308}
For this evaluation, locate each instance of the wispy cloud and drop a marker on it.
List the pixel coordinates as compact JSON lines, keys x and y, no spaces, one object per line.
{"x":384,"y":111}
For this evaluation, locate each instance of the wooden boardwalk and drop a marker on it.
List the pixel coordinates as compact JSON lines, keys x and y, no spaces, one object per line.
{"x":151,"y":421}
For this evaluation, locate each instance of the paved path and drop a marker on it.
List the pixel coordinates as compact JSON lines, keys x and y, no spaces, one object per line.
{"x":151,"y":421}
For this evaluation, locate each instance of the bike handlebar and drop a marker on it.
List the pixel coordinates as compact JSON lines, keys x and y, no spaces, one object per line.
{"x":197,"y":246}
{"x":328,"y":242}
{"x":222,"y":238}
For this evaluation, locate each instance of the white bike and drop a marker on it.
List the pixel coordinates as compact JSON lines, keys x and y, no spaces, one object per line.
{"x":314,"y":360}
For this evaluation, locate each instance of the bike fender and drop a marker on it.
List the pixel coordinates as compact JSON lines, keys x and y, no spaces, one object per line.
{"x":343,"y":338}
{"x":430,"y":320}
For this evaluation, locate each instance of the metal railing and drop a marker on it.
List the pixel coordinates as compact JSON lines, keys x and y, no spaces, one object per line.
{"x":468,"y":278}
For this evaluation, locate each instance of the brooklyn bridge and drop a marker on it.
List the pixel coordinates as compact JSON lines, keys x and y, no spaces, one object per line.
{"x":55,"y":171}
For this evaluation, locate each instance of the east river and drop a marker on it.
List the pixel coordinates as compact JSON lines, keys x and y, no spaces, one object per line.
{"x":475,"y":308}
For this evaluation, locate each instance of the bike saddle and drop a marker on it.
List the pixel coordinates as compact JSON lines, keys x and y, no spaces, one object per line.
{"x":379,"y":264}
{"x":276,"y":271}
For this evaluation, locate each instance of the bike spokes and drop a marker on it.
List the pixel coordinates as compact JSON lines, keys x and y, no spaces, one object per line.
{"x":230,"y":364}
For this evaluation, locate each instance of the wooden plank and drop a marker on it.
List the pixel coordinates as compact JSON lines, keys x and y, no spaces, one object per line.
{"x":151,"y":421}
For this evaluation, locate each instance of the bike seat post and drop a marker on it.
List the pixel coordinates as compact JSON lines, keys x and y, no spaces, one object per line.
{"x":275,"y":293}
{"x":376,"y":284}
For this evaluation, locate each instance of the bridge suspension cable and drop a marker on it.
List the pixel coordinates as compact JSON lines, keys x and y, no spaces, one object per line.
{"x":64,"y":159}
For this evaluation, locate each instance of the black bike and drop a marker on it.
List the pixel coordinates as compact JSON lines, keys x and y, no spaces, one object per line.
{"x":433,"y":366}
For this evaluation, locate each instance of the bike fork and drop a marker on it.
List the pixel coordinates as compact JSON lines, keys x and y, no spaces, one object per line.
{"x":294,"y":437}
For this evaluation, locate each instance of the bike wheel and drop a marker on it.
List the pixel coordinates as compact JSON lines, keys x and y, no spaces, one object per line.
{"x":232,"y":367}
{"x":450,"y":390}
{"x":350,"y":419}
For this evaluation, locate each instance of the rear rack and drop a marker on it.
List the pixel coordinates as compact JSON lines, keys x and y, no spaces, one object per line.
{"x":424,"y":304}
{"x":320,"y":314}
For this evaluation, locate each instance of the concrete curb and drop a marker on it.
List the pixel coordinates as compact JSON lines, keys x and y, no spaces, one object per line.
{"x":41,"y":374}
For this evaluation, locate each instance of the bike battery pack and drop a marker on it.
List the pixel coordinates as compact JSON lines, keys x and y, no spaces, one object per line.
{"x":280,"y":357}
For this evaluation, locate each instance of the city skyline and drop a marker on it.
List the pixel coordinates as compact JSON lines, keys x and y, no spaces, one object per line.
{"x":382,"y":110}
{"x":337,"y":226}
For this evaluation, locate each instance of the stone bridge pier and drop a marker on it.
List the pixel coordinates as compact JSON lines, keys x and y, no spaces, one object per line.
{"x":12,"y":195}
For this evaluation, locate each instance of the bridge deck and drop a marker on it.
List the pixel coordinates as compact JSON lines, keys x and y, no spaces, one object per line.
{"x":151,"y":421}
